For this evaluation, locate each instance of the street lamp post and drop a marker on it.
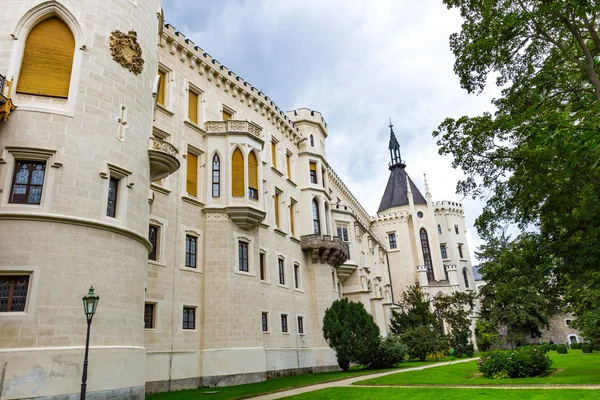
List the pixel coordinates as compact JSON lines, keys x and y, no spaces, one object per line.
{"x":432,"y":329}
{"x":90,"y":302}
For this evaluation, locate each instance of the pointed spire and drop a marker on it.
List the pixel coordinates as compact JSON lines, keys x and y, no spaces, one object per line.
{"x":394,"y":147}
{"x":427,"y":192}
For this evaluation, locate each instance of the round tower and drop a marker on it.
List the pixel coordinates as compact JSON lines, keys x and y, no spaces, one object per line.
{"x":76,"y":161}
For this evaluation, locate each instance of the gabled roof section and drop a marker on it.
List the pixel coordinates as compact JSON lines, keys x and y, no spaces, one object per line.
{"x":396,"y":194}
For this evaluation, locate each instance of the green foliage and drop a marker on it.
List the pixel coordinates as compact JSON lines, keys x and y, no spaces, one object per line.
{"x":415,"y":310}
{"x":351,"y":332}
{"x":597,"y":347}
{"x":544,"y":348}
{"x":562,"y":349}
{"x":553,"y":347}
{"x":586,"y":348}
{"x":389,"y":353}
{"x":525,"y":361}
{"x":536,"y":160}
{"x":420,"y":341}
{"x":485,"y":334}
{"x":576,"y":346}
{"x":455,"y":310}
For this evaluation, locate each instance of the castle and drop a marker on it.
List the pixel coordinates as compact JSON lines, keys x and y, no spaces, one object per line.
{"x":208,"y":220}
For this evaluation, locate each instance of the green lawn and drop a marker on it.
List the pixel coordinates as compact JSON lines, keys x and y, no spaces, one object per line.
{"x":574,"y":368}
{"x":271,"y":385}
{"x":370,"y":393}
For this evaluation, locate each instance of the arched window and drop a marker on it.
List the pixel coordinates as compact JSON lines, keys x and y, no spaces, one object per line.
{"x":439,"y":229}
{"x":237,"y":173}
{"x":252,"y":176}
{"x":47,"y":60}
{"x":316,"y":220}
{"x":312,"y":141}
{"x":216,"y":176}
{"x":426,"y":254}
{"x":466,"y":277}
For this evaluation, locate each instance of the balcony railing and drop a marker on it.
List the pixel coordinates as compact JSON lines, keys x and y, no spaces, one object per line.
{"x":163,"y":159}
{"x":6,"y":104}
{"x":233,"y":126}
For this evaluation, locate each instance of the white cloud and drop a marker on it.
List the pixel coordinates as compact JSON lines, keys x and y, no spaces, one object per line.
{"x":358,"y":63}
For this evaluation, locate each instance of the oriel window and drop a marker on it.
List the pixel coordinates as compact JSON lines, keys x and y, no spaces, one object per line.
{"x":28,"y":181}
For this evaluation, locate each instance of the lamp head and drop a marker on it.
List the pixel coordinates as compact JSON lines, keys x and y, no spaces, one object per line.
{"x":90,"y":302}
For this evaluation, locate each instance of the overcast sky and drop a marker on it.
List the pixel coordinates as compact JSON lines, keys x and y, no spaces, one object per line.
{"x":358,"y":62}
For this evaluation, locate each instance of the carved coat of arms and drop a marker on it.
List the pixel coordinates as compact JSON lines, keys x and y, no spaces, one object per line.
{"x":126,"y":50}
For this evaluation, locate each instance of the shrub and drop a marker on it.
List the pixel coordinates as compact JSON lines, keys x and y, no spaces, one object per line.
{"x":576,"y":346}
{"x":562,"y":349}
{"x":351,"y":332}
{"x":544,"y":348}
{"x":597,"y":347}
{"x":390,"y":352}
{"x":587,"y":348}
{"x":553,"y":347}
{"x":485,"y":334}
{"x":523,"y":362}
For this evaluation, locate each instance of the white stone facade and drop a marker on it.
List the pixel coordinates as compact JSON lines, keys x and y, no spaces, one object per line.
{"x":67,"y":242}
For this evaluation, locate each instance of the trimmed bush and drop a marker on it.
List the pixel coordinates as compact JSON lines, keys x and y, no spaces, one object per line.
{"x":544,"y":348}
{"x":576,"y":346}
{"x":553,"y":347}
{"x":390,"y":352}
{"x":562,"y":349}
{"x":597,"y":347}
{"x":523,"y":362}
{"x":587,"y":348}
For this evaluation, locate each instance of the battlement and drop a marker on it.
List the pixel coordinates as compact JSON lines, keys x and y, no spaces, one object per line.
{"x":398,"y":215}
{"x":197,"y":59}
{"x":305,"y":114}
{"x":448,"y":206}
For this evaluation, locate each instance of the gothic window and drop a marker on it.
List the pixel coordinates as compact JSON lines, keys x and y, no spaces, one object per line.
{"x":252,"y":176}
{"x":153,"y":237}
{"x":443,"y":251}
{"x":216,"y":176}
{"x":28,"y":181}
{"x":113,"y":195}
{"x":243,"y":256}
{"x":426,"y":254}
{"x":13,"y":293}
{"x":190,"y":251}
{"x":47,"y":60}
{"x":189,"y":318}
{"x":315,"y":215}
{"x":392,"y":239}
{"x":313,"y":172}
{"x":466,"y":277}
{"x":237,"y":173}
{"x":192,"y":174}
{"x":312,"y":141}
{"x":149,"y":315}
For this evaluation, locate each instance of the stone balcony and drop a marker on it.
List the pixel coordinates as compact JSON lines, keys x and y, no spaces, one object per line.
{"x":245,"y":212}
{"x":234,"y":127}
{"x":325,"y":249}
{"x":163,"y":159}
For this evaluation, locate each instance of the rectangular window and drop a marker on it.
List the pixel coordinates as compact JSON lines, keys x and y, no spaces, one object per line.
{"x":345,"y":233}
{"x":28,"y":181}
{"x":460,"y":251}
{"x":288,"y":164}
{"x":161,"y":88}
{"x":265,"y":322}
{"x":281,"y":271}
{"x":276,"y":209}
{"x":339,"y":232}
{"x":284,"y":325}
{"x":193,"y":106}
{"x":216,"y":176}
{"x":301,"y":325}
{"x":444,"y":252}
{"x":292,"y":223}
{"x":274,"y":154}
{"x":263,"y":272}
{"x":296,"y":276}
{"x":392,"y":238}
{"x":153,"y":232}
{"x":113,"y":196}
{"x":227,"y":115}
{"x":190,"y":251}
{"x":13,"y":293}
{"x":313,"y":172}
{"x":189,"y":318}
{"x":192,"y":174}
{"x":456,"y":229}
{"x":243,"y":256}
{"x":333,"y":282}
{"x":149,"y":315}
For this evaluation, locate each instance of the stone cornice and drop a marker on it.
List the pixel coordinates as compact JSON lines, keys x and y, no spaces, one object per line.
{"x":65,"y":219}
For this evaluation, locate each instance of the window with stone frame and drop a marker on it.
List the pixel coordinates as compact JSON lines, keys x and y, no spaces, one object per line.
{"x":262,"y":266}
{"x":284,"y":323}
{"x":426,"y":254}
{"x":154,"y":238}
{"x":466,"y":277}
{"x":216,"y":176}
{"x":149,"y":311}
{"x":392,"y":239}
{"x":443,"y":251}
{"x":189,"y":318}
{"x":301,"y":325}
{"x":113,"y":197}
{"x":456,"y":229}
{"x":28,"y":182}
{"x":313,"y":172}
{"x":243,"y":256}
{"x":460,"y":251}
{"x":13,"y":292}
{"x":316,"y":219}
{"x":281,"y":265}
{"x":296,"y":276}
{"x":191,"y":246}
{"x":265,"y":322}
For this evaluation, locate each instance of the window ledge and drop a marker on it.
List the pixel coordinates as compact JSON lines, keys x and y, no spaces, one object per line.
{"x":285,"y":333}
{"x":266,"y":332}
{"x":158,"y":188}
{"x":152,"y":262}
{"x":280,"y":232}
{"x":463,"y":260}
{"x":244,"y":273}
{"x":278,"y":172}
{"x":165,"y":109}
{"x":282,"y":286}
{"x":194,"y":126}
{"x":265,"y":282}
{"x":299,"y":290}
{"x":189,"y":330}
{"x":291,"y":182}
{"x":302,"y":334}
{"x":150,"y":329}
{"x":192,"y":200}
{"x":190,"y":269}
{"x":295,"y":239}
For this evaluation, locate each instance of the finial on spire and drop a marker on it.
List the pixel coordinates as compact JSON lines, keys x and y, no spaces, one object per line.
{"x":394,"y":148}
{"x":427,"y":192}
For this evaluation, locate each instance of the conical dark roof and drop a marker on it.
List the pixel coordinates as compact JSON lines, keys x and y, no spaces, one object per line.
{"x":396,"y":192}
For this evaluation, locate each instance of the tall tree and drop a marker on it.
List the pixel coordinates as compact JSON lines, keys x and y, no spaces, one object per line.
{"x":536,"y":160}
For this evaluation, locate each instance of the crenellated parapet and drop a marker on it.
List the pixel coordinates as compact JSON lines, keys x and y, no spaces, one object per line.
{"x":391,"y":218}
{"x":311,"y":116}
{"x":448,"y":207}
{"x":202,"y":62}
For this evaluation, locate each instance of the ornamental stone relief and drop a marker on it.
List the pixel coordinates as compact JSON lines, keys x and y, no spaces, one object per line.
{"x":126,"y":50}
